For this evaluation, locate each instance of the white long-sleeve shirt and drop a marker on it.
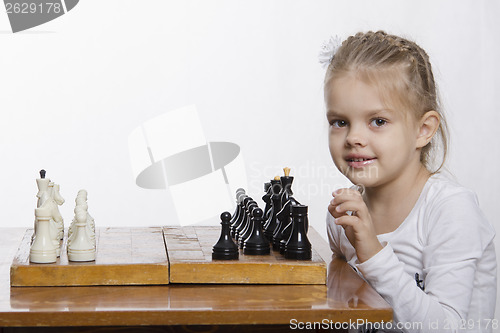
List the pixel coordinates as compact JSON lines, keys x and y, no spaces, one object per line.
{"x":448,"y":242}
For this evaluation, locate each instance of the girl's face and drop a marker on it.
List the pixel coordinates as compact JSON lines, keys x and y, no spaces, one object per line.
{"x":369,"y":143}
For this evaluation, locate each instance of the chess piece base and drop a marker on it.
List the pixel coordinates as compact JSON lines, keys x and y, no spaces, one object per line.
{"x":79,"y":255}
{"x":221,"y":254}
{"x":43,"y":257}
{"x":256,"y":251}
{"x":298,"y":255}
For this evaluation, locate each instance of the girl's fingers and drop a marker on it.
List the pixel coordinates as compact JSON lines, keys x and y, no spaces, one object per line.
{"x":347,"y":201}
{"x":344,"y":195}
{"x":333,"y":212}
{"x":350,"y":206}
{"x":347,"y":221}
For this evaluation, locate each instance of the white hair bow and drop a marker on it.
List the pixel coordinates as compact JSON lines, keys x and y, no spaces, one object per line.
{"x":328,"y":50}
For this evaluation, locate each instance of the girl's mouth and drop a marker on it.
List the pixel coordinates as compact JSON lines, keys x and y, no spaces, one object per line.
{"x":357,"y":163}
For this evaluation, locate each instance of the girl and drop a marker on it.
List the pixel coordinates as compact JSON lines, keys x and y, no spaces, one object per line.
{"x":417,"y":237}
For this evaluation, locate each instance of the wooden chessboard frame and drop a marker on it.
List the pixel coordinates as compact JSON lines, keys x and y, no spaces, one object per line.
{"x":162,"y":255}
{"x":190,"y":258}
{"x":124,"y":256}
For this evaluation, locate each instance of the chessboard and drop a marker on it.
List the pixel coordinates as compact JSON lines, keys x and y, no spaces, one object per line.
{"x":124,"y":256}
{"x":190,"y":257}
{"x":156,"y":256}
{"x":254,"y":245}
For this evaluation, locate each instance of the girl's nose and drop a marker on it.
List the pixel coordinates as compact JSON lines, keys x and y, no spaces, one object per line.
{"x":356,"y":137}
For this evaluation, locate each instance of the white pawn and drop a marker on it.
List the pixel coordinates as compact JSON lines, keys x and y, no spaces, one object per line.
{"x":72,"y":227}
{"x":88,"y":226}
{"x":43,"y":250}
{"x":81,"y":247}
{"x":80,"y":199}
{"x":80,"y":209}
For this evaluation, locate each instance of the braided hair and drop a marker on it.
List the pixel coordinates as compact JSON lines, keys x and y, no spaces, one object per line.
{"x":403,"y":74}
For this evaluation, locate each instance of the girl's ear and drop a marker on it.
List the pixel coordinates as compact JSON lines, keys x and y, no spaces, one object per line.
{"x":428,"y":125}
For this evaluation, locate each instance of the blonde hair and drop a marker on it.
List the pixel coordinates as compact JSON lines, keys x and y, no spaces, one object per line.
{"x":402,"y":72}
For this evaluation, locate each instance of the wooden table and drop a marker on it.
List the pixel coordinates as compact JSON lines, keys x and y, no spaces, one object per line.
{"x":346,"y":297}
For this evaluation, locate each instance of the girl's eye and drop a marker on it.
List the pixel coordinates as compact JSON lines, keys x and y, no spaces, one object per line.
{"x":378,"y":122}
{"x":338,"y":123}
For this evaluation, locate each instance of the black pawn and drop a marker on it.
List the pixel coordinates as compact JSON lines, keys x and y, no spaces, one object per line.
{"x":298,"y":246}
{"x":248,"y":228}
{"x":244,"y":214}
{"x":225,"y":248}
{"x":256,"y":243}
{"x":240,"y":214}
{"x":241,"y":217}
{"x":234,"y":217}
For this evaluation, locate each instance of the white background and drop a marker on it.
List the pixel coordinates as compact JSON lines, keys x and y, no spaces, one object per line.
{"x":72,"y":90}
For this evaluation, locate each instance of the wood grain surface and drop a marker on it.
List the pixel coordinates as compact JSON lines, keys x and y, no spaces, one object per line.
{"x":345,"y":297}
{"x":125,"y":256}
{"x":190,"y":257}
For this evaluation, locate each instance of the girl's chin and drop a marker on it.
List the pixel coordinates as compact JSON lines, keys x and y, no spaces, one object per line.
{"x":366,"y":173}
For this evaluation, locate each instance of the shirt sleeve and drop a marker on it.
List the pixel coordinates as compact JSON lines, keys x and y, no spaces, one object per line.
{"x":333,"y":233}
{"x":456,"y":236}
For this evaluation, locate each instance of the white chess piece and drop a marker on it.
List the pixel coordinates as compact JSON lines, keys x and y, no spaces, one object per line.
{"x":79,"y":209}
{"x":51,"y":206}
{"x":88,"y":224}
{"x":43,"y":250}
{"x":57,"y":196}
{"x":72,"y":229}
{"x":43,"y":186}
{"x":59,"y":200}
{"x":80,"y":199}
{"x":78,"y":202}
{"x":51,"y":188}
{"x":81,"y":247}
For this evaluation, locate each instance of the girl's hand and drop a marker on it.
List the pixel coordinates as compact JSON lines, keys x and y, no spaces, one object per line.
{"x":350,"y":211}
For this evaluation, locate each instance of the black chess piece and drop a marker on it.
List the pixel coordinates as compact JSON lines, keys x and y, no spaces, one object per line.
{"x":288,"y":220}
{"x":286,"y":184}
{"x":248,"y":228}
{"x":286,"y":192}
{"x":240,"y":211}
{"x":272,"y":222}
{"x":225,"y":248}
{"x":256,"y":243}
{"x":298,"y":246}
{"x":267,"y":199}
{"x":278,"y":233}
{"x":239,"y":229}
{"x":42,"y":173}
{"x":234,"y":217}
